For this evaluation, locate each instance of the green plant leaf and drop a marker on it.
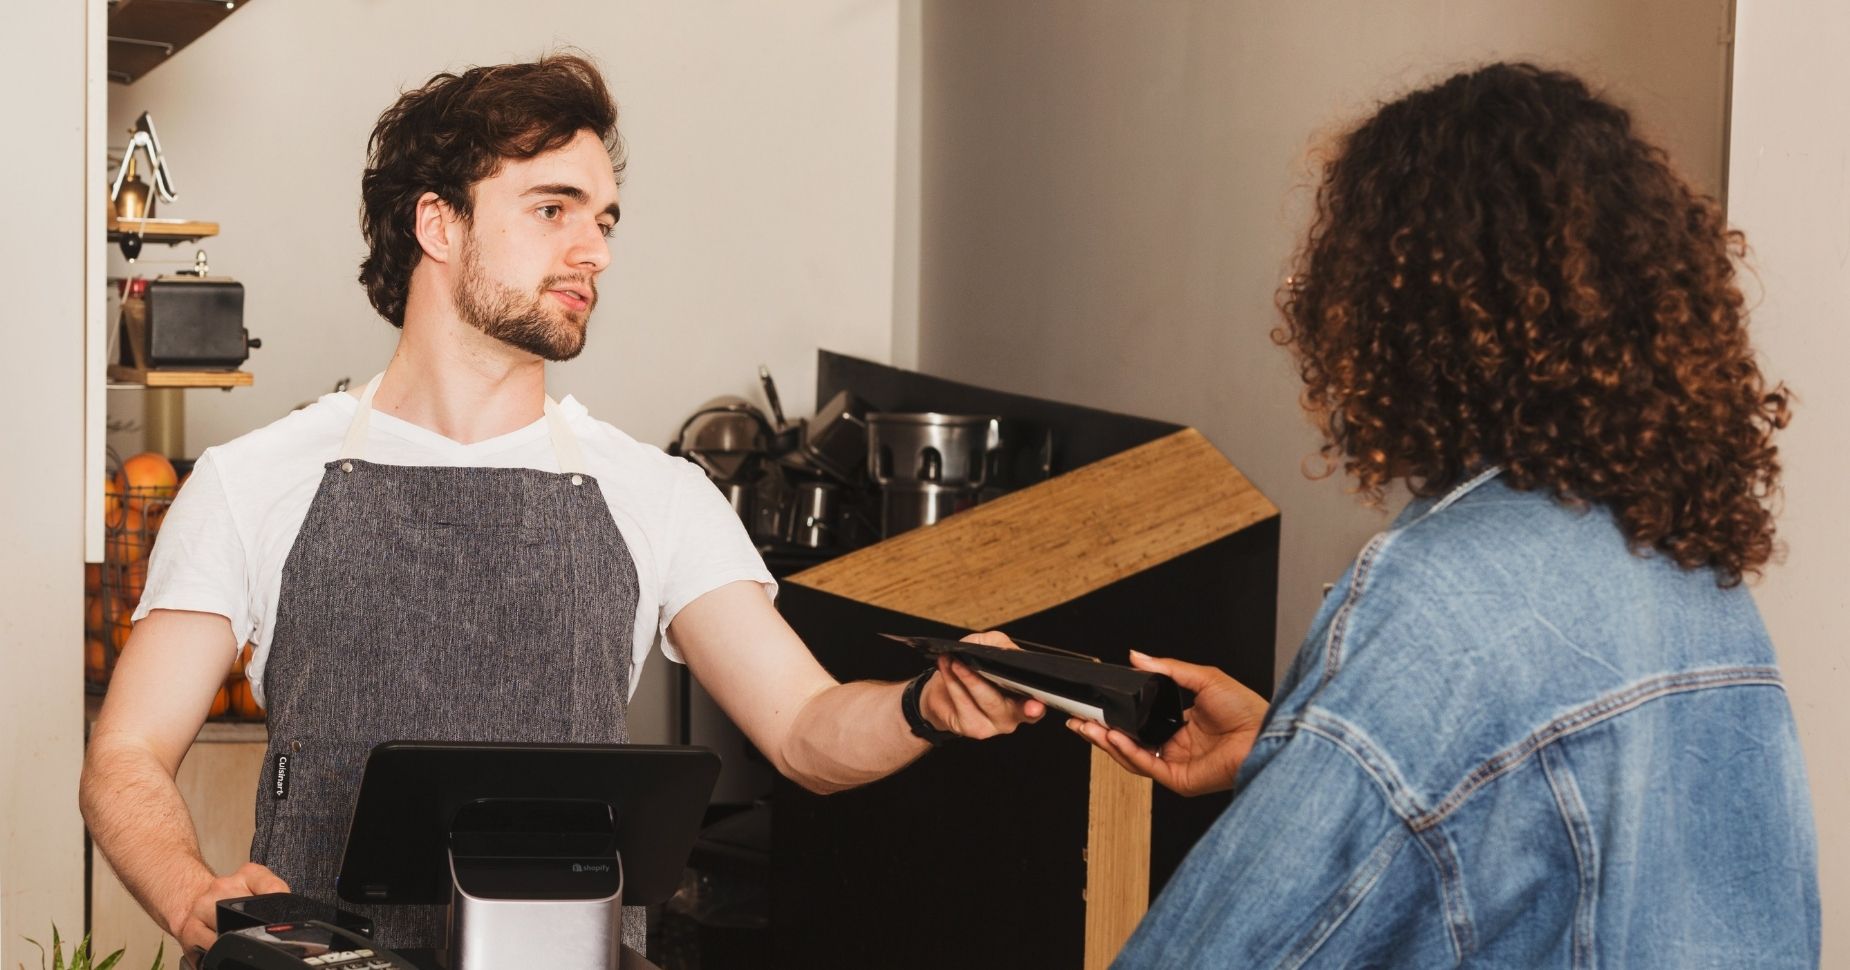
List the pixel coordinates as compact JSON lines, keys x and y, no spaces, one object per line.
{"x":81,"y":958}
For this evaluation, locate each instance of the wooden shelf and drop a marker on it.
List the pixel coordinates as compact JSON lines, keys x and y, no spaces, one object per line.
{"x":180,"y":378}
{"x":144,"y":34}
{"x":168,"y":231}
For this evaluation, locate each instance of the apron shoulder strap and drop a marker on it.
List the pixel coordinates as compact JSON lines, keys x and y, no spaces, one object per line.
{"x":355,"y":444}
{"x":564,"y":442}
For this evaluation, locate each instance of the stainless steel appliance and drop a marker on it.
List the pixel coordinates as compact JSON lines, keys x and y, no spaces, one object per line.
{"x":725,"y":437}
{"x":929,"y":465}
{"x":818,"y":505}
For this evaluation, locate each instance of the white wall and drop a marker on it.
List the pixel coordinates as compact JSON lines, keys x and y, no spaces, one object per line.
{"x":1789,"y":192}
{"x":42,"y":399}
{"x":1111,"y":192}
{"x":758,"y":208}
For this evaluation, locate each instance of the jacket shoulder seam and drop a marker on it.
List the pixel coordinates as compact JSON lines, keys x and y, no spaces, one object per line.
{"x":1597,"y":711}
{"x":1401,"y":800}
{"x":1365,"y":563}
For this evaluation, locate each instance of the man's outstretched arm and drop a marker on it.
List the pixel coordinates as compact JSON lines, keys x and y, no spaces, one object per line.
{"x":824,"y":735}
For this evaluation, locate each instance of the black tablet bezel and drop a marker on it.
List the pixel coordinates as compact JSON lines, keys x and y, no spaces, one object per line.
{"x":398,"y":840}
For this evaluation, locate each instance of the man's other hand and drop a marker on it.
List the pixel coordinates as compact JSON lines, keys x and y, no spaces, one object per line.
{"x":199,"y":926}
{"x":1207,"y":753}
{"x":959,"y":700}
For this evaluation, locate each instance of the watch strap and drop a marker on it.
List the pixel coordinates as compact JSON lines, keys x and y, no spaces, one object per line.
{"x":915,"y":719}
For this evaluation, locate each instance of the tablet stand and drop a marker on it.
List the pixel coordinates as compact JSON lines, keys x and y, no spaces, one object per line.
{"x":535,"y":882}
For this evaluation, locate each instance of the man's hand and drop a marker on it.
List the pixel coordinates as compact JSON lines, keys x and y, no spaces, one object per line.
{"x":198,"y":927}
{"x":960,"y":700}
{"x":1207,"y":753}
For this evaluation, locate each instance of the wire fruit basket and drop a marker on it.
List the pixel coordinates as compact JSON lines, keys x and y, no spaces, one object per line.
{"x":132,"y":517}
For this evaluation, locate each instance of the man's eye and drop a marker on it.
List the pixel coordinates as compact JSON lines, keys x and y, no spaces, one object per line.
{"x":550,"y":211}
{"x":610,"y":228}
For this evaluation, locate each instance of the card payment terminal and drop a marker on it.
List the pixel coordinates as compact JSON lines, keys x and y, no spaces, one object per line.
{"x":295,"y":946}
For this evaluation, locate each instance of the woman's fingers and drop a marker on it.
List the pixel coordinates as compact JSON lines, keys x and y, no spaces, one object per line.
{"x":1120,"y":748}
{"x":1195,"y":677}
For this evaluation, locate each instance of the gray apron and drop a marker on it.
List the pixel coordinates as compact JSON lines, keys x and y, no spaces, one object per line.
{"x":455,"y":604}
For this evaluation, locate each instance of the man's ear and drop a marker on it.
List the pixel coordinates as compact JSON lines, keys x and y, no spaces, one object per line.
{"x":437,"y":227}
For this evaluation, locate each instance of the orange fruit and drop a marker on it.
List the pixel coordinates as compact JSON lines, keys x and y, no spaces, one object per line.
{"x":243,"y":702}
{"x":134,"y":580}
{"x":112,"y":500}
{"x":93,"y":613}
{"x":93,"y":577}
{"x":150,"y":473}
{"x":119,"y":625}
{"x":131,"y":540}
{"x":96,"y":661}
{"x":221,"y":702}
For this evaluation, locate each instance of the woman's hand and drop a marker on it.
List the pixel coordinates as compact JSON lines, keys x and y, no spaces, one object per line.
{"x":1207,"y":753}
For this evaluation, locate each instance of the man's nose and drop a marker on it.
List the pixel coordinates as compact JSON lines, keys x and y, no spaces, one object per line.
{"x":590,"y":249}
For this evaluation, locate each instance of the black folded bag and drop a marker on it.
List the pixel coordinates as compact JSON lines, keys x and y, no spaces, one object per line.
{"x":1147,"y":706}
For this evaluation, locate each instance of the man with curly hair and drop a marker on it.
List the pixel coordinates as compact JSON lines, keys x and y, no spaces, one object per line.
{"x":1538,"y":722}
{"x":451,"y":554}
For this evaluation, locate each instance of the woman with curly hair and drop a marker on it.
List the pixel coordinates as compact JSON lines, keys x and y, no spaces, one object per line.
{"x":1538,"y":722}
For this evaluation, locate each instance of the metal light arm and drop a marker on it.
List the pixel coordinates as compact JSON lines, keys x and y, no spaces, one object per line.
{"x":145,"y":139}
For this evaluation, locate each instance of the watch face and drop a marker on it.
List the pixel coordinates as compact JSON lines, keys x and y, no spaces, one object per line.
{"x":295,"y":939}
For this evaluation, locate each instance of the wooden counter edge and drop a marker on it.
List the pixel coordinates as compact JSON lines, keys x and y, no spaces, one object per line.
{"x":1117,"y":858}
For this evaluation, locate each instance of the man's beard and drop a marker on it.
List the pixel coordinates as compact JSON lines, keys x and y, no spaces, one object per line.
{"x":528,"y":322}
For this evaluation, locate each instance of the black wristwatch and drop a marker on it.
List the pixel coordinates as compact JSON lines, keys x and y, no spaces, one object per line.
{"x":909,"y":706}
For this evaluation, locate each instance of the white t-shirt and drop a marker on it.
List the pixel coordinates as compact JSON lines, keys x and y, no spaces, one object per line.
{"x":222,"y":545}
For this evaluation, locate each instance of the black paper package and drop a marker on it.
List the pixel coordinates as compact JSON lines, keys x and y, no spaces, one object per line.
{"x":1144,"y":705}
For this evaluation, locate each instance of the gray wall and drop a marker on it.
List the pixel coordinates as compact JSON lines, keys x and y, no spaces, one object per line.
{"x":1110,"y":193}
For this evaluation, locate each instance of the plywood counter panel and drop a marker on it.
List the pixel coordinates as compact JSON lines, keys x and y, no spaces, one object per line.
{"x":1057,"y":541}
{"x":1164,"y":545}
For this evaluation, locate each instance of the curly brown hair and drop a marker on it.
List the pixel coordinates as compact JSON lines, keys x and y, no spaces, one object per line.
{"x":1500,"y":271}
{"x":454,"y":132}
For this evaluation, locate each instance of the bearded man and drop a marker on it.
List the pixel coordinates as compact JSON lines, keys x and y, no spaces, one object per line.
{"x":449,"y":553}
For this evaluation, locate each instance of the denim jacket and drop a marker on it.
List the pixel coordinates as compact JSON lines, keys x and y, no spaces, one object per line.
{"x":1508,"y":741}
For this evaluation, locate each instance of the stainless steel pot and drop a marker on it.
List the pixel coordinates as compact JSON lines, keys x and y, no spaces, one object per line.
{"x":940,"y":449}
{"x":725,"y":437}
{"x":908,"y":505}
{"x":818,"y":505}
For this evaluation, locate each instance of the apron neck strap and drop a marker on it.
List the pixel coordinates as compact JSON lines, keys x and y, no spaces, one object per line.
{"x":355,"y":444}
{"x":564,"y":444}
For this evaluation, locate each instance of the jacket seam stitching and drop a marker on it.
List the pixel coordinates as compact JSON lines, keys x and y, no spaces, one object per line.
{"x":1371,"y":554}
{"x":1354,"y":743}
{"x":1586,"y":851}
{"x":1350,"y":896}
{"x":1444,"y":858}
{"x":1589,"y":715}
{"x":1339,"y":627}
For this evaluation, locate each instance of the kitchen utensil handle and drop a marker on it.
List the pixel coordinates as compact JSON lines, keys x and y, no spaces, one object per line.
{"x":770,"y":394}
